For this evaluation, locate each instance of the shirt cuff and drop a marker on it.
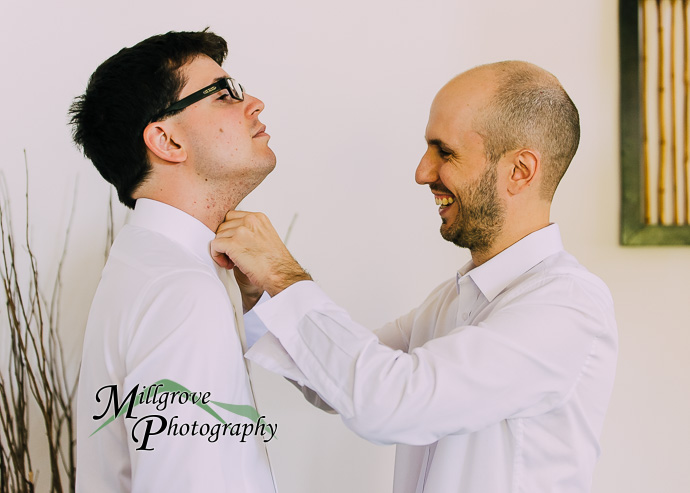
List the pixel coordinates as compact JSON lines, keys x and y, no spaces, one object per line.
{"x":271,"y":355}
{"x":282,"y":313}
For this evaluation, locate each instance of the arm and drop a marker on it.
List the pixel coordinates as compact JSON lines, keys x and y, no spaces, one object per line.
{"x":270,"y":354}
{"x":511,"y":365}
{"x":521,"y":360}
{"x":247,"y":243}
{"x":186,"y":334}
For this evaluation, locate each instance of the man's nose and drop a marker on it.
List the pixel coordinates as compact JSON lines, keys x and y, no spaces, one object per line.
{"x":426,"y":170}
{"x":254,"y":106}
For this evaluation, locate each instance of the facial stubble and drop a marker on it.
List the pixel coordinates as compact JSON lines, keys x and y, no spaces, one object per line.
{"x":480,"y":216}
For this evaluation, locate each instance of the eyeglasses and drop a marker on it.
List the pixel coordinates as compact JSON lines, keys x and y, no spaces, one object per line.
{"x":234,"y":88}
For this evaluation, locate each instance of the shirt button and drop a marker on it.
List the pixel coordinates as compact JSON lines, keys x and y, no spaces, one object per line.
{"x":465,"y":315}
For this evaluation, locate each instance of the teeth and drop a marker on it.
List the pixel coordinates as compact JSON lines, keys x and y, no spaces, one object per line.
{"x":444,"y":200}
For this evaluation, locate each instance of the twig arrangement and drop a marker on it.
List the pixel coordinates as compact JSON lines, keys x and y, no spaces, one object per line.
{"x":35,"y":369}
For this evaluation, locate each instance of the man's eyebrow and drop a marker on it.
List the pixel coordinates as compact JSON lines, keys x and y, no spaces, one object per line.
{"x":439,"y":143}
{"x":213,"y":82}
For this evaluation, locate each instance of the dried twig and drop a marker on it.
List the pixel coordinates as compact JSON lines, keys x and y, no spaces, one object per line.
{"x":289,"y":230}
{"x":110,"y":232}
{"x":36,"y":368}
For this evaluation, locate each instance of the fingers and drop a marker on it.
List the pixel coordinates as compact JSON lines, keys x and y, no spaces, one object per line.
{"x":240,"y":215}
{"x":222,"y":245}
{"x":233,"y":214}
{"x":232,"y":220}
{"x":222,"y":259}
{"x":229,"y":225}
{"x":219,"y":253}
{"x":248,"y":241}
{"x":236,"y":219}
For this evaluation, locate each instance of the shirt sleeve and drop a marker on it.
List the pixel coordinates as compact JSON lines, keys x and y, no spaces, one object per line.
{"x":185,"y":334}
{"x":521,"y":361}
{"x":254,"y":328}
{"x":271,"y":355}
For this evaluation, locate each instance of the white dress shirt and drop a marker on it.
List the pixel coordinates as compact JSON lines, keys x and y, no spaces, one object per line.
{"x":497,"y":383}
{"x":162,"y":312}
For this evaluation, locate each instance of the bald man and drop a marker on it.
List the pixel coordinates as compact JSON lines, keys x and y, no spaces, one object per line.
{"x":500,"y":380}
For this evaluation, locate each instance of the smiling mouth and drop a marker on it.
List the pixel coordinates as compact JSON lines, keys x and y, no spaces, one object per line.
{"x":444,"y":200}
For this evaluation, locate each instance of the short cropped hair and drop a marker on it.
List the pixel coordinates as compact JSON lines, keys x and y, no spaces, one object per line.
{"x":530,"y":109}
{"x":123,"y":96}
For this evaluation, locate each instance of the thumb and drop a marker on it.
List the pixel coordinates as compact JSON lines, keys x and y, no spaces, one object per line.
{"x":220,"y":257}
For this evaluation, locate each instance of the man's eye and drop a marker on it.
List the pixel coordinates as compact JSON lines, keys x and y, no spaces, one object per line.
{"x":444,"y":154}
{"x":223,"y":95}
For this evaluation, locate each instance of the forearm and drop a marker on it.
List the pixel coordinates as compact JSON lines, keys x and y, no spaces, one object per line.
{"x":463,"y":381}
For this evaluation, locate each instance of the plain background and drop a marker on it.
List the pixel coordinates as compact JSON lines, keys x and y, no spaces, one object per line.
{"x":347,"y":87}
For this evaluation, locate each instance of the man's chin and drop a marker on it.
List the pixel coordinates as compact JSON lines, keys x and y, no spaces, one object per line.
{"x":265,"y":162}
{"x":270,"y":159}
{"x":446,"y":232}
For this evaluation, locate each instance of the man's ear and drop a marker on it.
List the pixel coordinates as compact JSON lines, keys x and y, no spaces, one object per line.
{"x":159,"y":141}
{"x":524,"y":167}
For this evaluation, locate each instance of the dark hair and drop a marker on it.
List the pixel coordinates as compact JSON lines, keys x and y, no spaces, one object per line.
{"x":530,"y":108}
{"x":124,"y":94}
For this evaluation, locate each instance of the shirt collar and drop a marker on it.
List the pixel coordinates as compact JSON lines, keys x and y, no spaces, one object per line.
{"x":495,"y":274}
{"x":176,"y":225}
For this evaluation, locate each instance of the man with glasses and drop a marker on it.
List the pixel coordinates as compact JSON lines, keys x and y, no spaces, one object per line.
{"x":165,"y":402}
{"x":499,"y":381}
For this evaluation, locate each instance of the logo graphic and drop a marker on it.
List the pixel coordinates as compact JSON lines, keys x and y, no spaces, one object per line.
{"x":167,"y":392}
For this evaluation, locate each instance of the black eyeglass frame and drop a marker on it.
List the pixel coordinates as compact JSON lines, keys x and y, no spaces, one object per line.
{"x":234,"y":88}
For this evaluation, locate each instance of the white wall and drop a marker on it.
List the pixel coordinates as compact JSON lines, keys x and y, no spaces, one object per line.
{"x":347,"y":88}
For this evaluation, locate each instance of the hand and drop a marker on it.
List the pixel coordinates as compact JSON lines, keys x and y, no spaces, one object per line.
{"x":250,"y":293}
{"x":248,"y":242}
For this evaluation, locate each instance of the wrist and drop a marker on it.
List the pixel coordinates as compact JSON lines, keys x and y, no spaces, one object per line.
{"x":285,"y":279}
{"x":249,"y":300}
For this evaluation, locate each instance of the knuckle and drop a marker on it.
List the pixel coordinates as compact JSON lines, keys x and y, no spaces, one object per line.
{"x":252,"y":220}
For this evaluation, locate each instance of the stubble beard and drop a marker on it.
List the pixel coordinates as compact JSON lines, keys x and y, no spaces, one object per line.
{"x":480,"y":216}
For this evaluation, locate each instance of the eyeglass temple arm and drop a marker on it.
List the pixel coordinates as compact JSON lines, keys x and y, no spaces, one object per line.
{"x":195,"y":96}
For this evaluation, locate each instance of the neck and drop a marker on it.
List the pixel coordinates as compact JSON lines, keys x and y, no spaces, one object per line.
{"x":210,"y":216}
{"x":514,"y":229}
{"x":206,"y":211}
{"x":208,"y":206}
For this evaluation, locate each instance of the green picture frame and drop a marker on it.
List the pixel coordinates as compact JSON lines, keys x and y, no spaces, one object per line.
{"x":633,"y":230}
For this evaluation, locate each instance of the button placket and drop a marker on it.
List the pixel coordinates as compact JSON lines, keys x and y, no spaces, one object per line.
{"x":467,"y":297}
